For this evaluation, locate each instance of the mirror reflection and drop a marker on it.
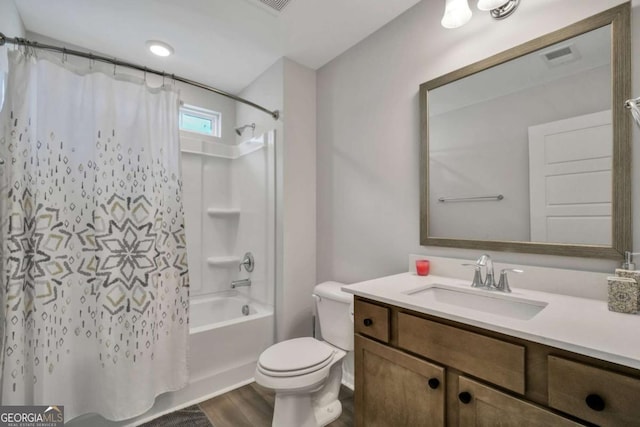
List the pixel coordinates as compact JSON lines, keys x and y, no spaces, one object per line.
{"x":523,"y":151}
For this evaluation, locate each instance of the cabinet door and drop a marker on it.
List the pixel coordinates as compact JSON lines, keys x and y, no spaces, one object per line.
{"x":395,"y":389}
{"x":482,"y":406}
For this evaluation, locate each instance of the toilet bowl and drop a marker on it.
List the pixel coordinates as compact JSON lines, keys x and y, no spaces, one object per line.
{"x":306,"y":373}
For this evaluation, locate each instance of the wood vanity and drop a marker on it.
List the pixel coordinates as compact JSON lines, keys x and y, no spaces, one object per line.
{"x":415,"y":369}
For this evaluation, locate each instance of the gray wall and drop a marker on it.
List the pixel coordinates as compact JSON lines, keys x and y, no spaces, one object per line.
{"x":368,"y":133}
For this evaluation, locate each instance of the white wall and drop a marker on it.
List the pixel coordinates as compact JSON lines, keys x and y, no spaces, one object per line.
{"x":290,"y":88}
{"x":299,"y":201}
{"x":368,"y":133}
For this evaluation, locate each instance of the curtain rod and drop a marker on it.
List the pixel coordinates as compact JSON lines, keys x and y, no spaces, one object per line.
{"x":24,"y":42}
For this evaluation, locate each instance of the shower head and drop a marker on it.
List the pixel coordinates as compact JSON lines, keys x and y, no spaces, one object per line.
{"x":242,"y":128}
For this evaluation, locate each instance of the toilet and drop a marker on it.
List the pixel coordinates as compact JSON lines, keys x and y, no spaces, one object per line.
{"x":306,"y":373}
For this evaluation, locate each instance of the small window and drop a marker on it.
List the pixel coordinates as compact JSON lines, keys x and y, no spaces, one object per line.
{"x":199,"y":120}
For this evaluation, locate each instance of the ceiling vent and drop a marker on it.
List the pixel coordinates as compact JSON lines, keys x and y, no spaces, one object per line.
{"x":276,"y":4}
{"x":560,"y":55}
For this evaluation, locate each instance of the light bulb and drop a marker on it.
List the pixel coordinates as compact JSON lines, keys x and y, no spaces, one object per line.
{"x":456,"y":13}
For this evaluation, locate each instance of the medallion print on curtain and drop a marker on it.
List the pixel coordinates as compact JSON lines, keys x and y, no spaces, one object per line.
{"x":94,"y":264}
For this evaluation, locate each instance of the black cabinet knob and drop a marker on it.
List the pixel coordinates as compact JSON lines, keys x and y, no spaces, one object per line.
{"x":595,"y":402}
{"x":434,"y":383}
{"x":465,"y":397}
{"x":368,"y":322}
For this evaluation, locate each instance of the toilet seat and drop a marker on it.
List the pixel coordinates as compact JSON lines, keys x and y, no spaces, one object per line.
{"x":295,"y":357}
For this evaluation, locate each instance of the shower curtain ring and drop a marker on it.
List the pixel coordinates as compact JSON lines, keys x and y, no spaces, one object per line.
{"x":114,"y":67}
{"x":90,"y":61}
{"x":163,"y":78}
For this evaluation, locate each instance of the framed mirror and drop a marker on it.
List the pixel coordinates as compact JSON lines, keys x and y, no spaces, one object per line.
{"x":529,"y":150}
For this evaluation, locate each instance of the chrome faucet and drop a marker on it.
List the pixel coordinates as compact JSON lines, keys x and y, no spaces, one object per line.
{"x":503,"y":284}
{"x":489,"y":280}
{"x":477,"y":275}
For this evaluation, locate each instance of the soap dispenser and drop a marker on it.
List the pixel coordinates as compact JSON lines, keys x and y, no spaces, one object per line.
{"x":628,"y":263}
{"x":624,"y":288}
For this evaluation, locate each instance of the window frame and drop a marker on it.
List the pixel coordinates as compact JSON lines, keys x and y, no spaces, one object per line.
{"x":214,"y":116}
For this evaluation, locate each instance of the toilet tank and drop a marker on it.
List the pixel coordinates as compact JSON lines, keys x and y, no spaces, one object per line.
{"x":334,"y":313}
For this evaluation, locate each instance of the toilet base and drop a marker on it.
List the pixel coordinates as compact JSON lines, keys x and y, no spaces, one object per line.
{"x":301,"y":410}
{"x":294,"y":410}
{"x":315,"y":407}
{"x":328,"y":414}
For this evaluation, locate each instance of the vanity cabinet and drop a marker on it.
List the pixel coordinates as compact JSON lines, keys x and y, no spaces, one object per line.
{"x":414,"y":369}
{"x":397,"y":389}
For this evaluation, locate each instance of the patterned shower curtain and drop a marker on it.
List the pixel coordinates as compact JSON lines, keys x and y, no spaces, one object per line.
{"x":94,"y":264}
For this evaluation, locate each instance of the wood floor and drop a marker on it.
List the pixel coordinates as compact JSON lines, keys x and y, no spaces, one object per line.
{"x":252,"y":406}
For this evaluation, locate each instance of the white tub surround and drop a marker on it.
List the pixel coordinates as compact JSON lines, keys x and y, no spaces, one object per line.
{"x":580,"y":325}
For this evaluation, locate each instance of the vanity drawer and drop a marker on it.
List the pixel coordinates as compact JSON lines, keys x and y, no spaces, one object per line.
{"x":490,"y":359}
{"x":481,"y":405}
{"x":371,"y":320}
{"x":593,"y":394}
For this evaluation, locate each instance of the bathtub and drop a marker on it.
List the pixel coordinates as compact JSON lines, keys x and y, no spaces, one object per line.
{"x":207,"y":313}
{"x":224,"y":345}
{"x":226,"y":331}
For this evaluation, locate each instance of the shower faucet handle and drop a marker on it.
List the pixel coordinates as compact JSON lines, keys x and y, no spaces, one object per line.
{"x":247,"y":262}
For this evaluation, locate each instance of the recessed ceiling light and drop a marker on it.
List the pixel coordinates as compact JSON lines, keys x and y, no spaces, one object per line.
{"x":159,"y":48}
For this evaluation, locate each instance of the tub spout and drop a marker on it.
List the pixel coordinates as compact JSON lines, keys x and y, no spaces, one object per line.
{"x":239,"y":283}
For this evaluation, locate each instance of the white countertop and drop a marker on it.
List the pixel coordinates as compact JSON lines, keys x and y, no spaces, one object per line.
{"x":580,"y":325}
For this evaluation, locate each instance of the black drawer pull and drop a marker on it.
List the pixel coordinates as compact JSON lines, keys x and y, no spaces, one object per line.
{"x":434,"y":383}
{"x":368,"y":322}
{"x":465,"y":397}
{"x":595,"y":402}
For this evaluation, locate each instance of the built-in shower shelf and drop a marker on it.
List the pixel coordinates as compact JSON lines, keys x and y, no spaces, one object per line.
{"x":223,"y":212}
{"x":223,"y":261}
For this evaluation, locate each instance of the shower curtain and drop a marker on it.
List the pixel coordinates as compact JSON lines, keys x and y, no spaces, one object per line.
{"x":94,"y":265}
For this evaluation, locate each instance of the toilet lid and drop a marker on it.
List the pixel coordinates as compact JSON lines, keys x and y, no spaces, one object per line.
{"x":296,"y":355}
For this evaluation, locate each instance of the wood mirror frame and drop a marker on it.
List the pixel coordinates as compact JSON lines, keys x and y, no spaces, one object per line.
{"x":621,"y":237}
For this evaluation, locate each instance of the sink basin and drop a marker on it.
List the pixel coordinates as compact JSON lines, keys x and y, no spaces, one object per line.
{"x":480,"y":301}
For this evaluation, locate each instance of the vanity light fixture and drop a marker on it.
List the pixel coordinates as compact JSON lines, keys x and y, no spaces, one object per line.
{"x":499,"y":9}
{"x":159,"y":48}
{"x":457,"y":12}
